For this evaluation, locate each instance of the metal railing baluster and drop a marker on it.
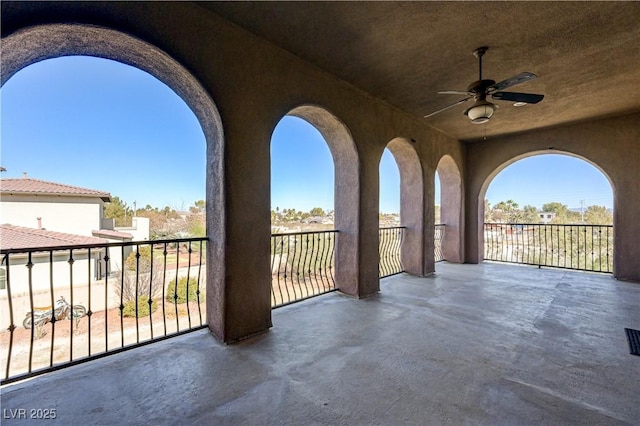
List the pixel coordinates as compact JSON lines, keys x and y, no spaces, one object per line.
{"x":31,"y":305}
{"x":390,"y":244}
{"x":579,"y":247}
{"x":89,"y":262}
{"x":53,"y":322}
{"x":199,"y":276}
{"x":189,"y":251}
{"x":164,"y":286}
{"x":106,"y":299}
{"x":12,"y":325}
{"x":304,"y":266}
{"x":66,"y":345}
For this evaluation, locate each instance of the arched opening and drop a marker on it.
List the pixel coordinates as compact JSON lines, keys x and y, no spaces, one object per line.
{"x":302,"y":212}
{"x":302,"y":174}
{"x":389,"y":211}
{"x":345,"y":249}
{"x":57,"y":40}
{"x":391,"y":233}
{"x":438,"y":231}
{"x":108,"y":126}
{"x":451,"y":229}
{"x":551,"y":210}
{"x":413,"y":257}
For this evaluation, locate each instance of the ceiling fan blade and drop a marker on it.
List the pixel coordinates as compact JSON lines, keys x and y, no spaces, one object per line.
{"x":512,"y":81}
{"x":454,"y":92}
{"x":529,"y":98}
{"x":447,"y":107}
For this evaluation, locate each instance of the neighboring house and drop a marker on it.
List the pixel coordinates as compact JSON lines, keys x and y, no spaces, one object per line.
{"x":546,"y":217}
{"x":139,"y":228}
{"x":49,"y":268}
{"x":39,"y":204}
{"x":37,"y":213}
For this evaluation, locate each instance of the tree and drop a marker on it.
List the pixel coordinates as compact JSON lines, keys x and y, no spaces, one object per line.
{"x":316,"y":211}
{"x":487,"y":211}
{"x":140,"y":281}
{"x":530,"y":215}
{"x":563,"y":214}
{"x":598,"y":215}
{"x":555,"y":207}
{"x":119,"y":211}
{"x":508,"y":211}
{"x":199,"y":206}
{"x":196,"y":225}
{"x":157,"y":220}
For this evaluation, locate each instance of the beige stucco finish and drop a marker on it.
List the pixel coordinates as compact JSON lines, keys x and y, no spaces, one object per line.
{"x":612,"y":145}
{"x":240,"y":86}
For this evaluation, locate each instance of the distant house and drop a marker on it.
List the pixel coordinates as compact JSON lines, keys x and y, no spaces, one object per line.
{"x":36,"y":213}
{"x":546,"y":217}
{"x":39,"y":204}
{"x":48,"y":268}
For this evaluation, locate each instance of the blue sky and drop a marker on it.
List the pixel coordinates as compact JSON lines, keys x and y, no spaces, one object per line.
{"x":103,"y":125}
{"x":551,"y":177}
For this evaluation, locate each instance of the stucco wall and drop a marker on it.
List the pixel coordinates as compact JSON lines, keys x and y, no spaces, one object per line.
{"x":612,"y":145}
{"x":60,"y":214}
{"x":254,"y":84}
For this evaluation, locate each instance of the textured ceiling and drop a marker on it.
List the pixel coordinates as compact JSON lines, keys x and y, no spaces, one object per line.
{"x":586,"y":54}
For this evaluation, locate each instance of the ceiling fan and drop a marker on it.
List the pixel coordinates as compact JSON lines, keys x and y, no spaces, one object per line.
{"x":482,"y":110}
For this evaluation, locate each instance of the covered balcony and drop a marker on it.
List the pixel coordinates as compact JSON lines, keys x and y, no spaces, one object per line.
{"x":462,"y":341}
{"x":480,"y":344}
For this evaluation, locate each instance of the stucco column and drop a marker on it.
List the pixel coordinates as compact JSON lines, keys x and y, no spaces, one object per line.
{"x":239,"y":304}
{"x":368,"y":274}
{"x":412,"y":204}
{"x":451,"y":209}
{"x":626,"y":221}
{"x":428,"y":261}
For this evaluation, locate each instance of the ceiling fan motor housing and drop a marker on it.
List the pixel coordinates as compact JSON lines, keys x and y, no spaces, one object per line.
{"x":479,"y":88}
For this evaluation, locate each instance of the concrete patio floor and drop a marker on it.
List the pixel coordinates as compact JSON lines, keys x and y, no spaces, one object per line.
{"x":473,"y":344}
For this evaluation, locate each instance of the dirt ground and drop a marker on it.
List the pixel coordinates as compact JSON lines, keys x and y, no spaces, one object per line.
{"x":93,"y":334}
{"x":105,"y":331}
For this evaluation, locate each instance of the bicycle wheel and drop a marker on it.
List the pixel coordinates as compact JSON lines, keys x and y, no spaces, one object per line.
{"x":27,"y":322}
{"x":79,"y":311}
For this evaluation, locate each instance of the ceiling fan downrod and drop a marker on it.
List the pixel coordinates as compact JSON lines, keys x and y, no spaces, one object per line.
{"x":478,"y":53}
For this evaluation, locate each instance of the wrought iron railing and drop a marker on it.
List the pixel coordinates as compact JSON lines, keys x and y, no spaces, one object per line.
{"x":438,"y":236}
{"x":581,"y":247}
{"x":301,"y":266}
{"x":390,"y":242}
{"x":64,"y":305}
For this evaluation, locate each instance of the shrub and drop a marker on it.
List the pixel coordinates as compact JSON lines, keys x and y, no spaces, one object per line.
{"x":139,"y":279}
{"x":143,"y":307}
{"x":182,"y":290}
{"x":143,"y":263}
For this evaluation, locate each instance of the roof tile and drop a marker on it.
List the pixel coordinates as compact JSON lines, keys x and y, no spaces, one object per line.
{"x":20,"y":237}
{"x":32,"y":186}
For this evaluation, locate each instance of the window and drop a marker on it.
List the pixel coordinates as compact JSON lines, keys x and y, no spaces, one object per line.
{"x":98,"y":270}
{"x":3,"y":278}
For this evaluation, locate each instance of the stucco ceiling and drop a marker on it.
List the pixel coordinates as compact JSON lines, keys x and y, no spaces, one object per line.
{"x":586,"y":54}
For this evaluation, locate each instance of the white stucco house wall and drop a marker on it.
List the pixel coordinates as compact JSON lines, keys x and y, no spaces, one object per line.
{"x":37,"y":213}
{"x":40,"y":214}
{"x":39,"y":204}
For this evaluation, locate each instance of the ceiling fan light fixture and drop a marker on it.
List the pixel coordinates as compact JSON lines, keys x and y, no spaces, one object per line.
{"x":480,"y":112}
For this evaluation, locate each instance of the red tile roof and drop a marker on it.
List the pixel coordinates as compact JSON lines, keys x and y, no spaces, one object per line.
{"x":109,"y":233}
{"x":20,"y":237}
{"x":29,"y":186}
